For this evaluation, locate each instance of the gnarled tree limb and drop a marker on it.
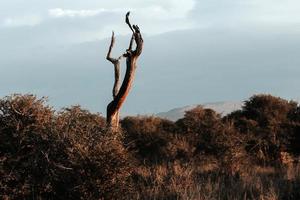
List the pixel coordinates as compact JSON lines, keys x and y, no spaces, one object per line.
{"x":116,"y":63}
{"x":131,"y":61}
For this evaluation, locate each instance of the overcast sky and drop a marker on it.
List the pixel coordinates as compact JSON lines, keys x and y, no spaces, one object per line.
{"x":196,"y":51}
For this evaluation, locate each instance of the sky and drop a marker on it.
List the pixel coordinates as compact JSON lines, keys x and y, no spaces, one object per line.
{"x":196,"y":51}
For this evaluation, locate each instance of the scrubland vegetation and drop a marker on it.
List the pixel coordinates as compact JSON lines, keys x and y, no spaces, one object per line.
{"x":252,"y":153}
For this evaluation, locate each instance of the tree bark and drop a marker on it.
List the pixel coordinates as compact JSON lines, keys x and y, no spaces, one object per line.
{"x":121,"y":92}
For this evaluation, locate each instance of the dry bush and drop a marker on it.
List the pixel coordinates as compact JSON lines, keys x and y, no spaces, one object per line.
{"x":148,"y":138}
{"x":270,"y":125}
{"x":70,"y":154}
{"x":199,"y":120}
{"x":64,"y":156}
{"x":100,"y":159}
{"x":214,"y":138}
{"x":103,"y":171}
{"x":268,"y":110}
{"x":179,"y":148}
{"x":204,"y":129}
{"x":30,"y":153}
{"x":79,"y":126}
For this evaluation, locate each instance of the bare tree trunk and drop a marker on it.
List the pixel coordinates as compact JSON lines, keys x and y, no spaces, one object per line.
{"x":121,"y":92}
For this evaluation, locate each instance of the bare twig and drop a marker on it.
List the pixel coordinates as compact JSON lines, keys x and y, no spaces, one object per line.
{"x":128,"y":22}
{"x":112,"y":43}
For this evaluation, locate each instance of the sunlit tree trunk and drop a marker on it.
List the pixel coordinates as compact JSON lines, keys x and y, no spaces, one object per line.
{"x":121,"y":92}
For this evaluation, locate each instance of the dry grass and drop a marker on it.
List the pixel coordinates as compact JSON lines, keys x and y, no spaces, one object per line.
{"x":178,"y":181}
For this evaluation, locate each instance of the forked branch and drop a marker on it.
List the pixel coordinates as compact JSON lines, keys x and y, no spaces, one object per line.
{"x":116,"y":63}
{"x":120,"y":93}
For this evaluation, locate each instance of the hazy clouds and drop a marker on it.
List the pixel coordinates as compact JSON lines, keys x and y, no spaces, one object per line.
{"x":155,"y":16}
{"x":79,"y":21}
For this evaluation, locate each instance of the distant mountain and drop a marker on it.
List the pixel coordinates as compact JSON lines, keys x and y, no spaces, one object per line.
{"x":223,"y":108}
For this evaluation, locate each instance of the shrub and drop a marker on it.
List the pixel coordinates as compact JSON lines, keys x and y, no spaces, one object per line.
{"x":64,"y":156}
{"x":266,"y":121}
{"x":99,"y":158}
{"x":205,"y":130}
{"x":148,"y":137}
{"x":71,"y":155}
{"x":269,"y":111}
{"x":28,"y":148}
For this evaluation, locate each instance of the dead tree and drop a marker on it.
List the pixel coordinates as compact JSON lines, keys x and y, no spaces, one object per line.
{"x":120,"y":92}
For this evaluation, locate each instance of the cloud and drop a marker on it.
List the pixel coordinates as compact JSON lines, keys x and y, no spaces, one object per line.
{"x":59,"y":21}
{"x":30,"y":20}
{"x":173,"y":9}
{"x":220,"y":13}
{"x":154,"y":17}
{"x":93,"y":20}
{"x":59,"y":12}
{"x":276,"y":11}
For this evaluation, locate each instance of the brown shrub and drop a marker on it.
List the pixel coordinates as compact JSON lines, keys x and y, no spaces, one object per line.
{"x":206,"y":131}
{"x":268,"y":123}
{"x":148,"y":138}
{"x":98,"y":157}
{"x":64,"y":156}
{"x":71,"y":155}
{"x":28,"y":148}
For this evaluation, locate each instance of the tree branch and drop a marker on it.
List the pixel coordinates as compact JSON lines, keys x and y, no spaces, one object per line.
{"x":131,"y":43}
{"x":112,"y":43}
{"x":116,"y":63}
{"x":128,"y":22}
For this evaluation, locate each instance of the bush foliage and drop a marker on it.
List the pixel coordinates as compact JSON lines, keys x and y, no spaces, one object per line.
{"x":71,"y":155}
